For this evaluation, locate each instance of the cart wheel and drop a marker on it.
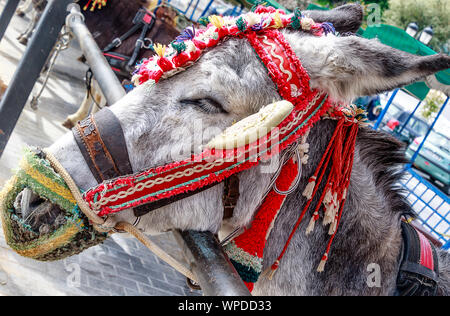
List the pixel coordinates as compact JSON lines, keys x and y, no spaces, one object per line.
{"x":193,"y":285}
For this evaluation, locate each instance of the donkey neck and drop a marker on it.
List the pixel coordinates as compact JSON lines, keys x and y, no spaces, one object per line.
{"x":369,"y":235}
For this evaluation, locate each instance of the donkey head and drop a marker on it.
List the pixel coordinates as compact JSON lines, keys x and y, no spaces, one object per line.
{"x":170,"y":120}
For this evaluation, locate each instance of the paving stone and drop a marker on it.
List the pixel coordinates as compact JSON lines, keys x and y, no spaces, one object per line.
{"x":168,"y":287}
{"x":116,"y":279}
{"x":132,"y":275}
{"x":153,"y":271}
{"x":102,"y":285}
{"x":133,"y":293}
{"x":148,"y":290}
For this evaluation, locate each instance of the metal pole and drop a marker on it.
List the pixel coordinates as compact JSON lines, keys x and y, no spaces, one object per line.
{"x":215,"y":272}
{"x":107,"y":80}
{"x":29,"y":69}
{"x":409,"y":117}
{"x":383,"y":113}
{"x":413,"y":158}
{"x":7,"y":14}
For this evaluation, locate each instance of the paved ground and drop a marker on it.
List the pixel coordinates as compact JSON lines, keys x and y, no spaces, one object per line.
{"x":121,"y":266}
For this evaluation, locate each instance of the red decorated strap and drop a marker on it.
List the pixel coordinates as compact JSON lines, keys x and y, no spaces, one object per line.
{"x":426,"y":252}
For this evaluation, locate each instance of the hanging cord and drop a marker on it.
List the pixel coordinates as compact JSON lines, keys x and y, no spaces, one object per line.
{"x":156,"y":250}
{"x":88,"y":82}
{"x":108,"y":224}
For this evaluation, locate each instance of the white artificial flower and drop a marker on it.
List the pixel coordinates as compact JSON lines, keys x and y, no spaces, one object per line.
{"x":190,"y":47}
{"x":307,"y":23}
{"x":252,"y":18}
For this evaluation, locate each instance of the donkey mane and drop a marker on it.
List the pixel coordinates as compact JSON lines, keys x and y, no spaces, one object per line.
{"x":385,"y":156}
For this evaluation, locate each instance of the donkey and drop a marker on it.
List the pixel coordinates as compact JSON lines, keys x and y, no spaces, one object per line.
{"x":24,"y":8}
{"x":38,"y":7}
{"x":3,"y":88}
{"x":229,"y":83}
{"x":107,"y":24}
{"x":112,"y":22}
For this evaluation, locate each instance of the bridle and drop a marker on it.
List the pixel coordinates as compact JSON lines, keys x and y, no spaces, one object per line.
{"x":153,"y":188}
{"x":144,"y":21}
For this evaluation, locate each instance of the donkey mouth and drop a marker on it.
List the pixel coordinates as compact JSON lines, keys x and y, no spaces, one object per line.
{"x":41,"y":215}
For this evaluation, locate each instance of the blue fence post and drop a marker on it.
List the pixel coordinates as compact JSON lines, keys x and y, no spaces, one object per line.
{"x":409,"y":117}
{"x":446,"y":246}
{"x":206,"y":9}
{"x":383,"y":113}
{"x":413,"y":158}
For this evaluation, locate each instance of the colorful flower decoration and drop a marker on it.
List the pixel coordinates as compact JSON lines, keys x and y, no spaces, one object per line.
{"x":190,"y":45}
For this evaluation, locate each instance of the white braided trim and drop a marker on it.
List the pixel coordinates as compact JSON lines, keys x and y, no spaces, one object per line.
{"x":281,"y":59}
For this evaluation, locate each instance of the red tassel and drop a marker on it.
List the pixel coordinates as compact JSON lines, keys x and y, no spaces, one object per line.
{"x":274,"y":269}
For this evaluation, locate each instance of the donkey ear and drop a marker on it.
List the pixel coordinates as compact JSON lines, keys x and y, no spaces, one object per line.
{"x":346,"y":18}
{"x":367,"y":67}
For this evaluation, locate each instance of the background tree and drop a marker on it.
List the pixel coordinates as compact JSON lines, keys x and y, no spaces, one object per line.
{"x":424,"y":13}
{"x":432,"y":104}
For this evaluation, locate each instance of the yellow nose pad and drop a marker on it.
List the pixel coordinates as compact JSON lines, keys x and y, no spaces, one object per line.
{"x":252,"y":127}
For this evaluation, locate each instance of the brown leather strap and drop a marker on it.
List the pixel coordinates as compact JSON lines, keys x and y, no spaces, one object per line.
{"x":230,"y":195}
{"x":101,"y":141}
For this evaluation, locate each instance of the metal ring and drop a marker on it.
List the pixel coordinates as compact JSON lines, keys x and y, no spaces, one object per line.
{"x":149,"y":41}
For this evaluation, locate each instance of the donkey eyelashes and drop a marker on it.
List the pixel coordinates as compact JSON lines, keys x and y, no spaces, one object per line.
{"x":206,"y":105}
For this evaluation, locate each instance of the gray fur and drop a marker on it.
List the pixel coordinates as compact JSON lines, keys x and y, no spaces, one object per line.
{"x":345,"y":19}
{"x":157,"y":125}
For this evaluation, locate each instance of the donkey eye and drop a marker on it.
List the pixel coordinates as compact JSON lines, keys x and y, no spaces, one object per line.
{"x":206,"y":105}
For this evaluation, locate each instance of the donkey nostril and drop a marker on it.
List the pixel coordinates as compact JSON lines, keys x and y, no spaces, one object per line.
{"x":41,"y":215}
{"x":22,"y":204}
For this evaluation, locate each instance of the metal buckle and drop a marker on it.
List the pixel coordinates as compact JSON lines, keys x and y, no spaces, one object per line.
{"x":117,"y":42}
{"x":139,"y":43}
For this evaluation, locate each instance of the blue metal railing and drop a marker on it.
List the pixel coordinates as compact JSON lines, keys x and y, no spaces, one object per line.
{"x":431,"y":205}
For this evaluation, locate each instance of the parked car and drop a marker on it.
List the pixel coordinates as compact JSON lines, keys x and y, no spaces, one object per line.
{"x":433,"y":158}
{"x":415,"y":128}
{"x":393,"y":112}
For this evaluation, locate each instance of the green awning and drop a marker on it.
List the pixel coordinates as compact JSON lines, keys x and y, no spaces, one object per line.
{"x":313,"y":6}
{"x":271,"y":3}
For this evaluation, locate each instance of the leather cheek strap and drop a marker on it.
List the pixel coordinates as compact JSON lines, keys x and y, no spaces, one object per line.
{"x":102,"y":144}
